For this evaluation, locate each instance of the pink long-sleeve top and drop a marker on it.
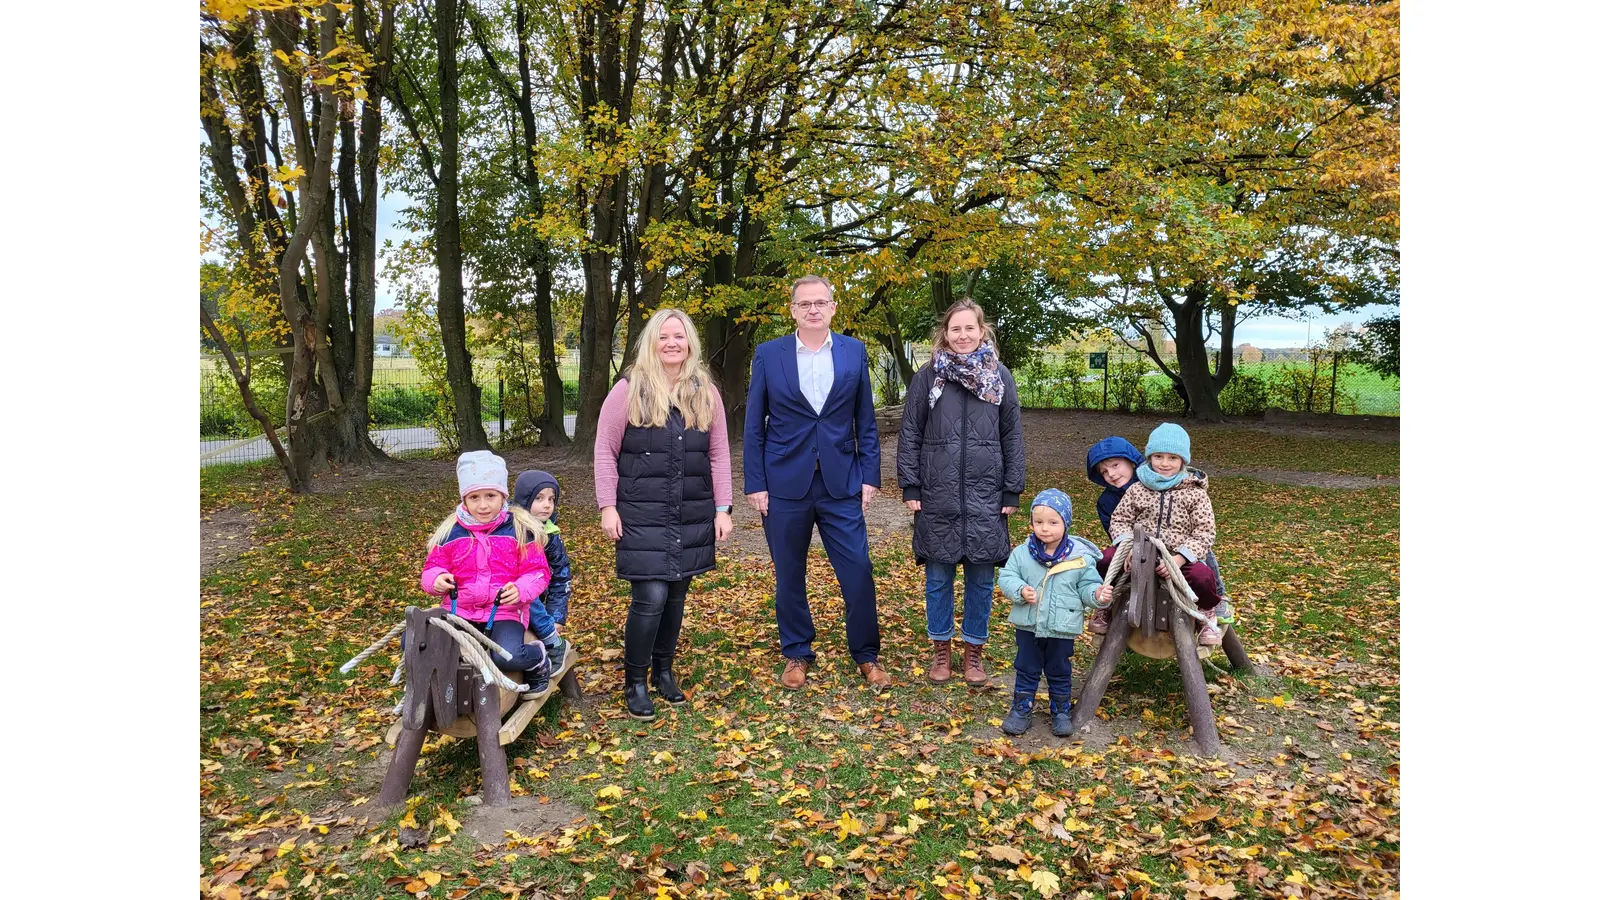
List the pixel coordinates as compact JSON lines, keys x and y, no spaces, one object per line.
{"x":608,"y":443}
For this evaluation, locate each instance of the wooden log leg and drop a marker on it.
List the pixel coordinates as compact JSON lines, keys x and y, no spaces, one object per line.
{"x":1112,"y":643}
{"x":1194,"y":688}
{"x":407,"y":750}
{"x":569,"y":686}
{"x":1237,"y":658}
{"x":491,"y":756}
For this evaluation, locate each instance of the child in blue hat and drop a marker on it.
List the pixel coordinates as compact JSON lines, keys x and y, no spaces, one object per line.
{"x":1168,"y":498}
{"x":1050,"y":579}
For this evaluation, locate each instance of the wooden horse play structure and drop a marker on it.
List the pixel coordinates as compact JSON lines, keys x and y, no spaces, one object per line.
{"x":1154,"y":618}
{"x":452,"y":687}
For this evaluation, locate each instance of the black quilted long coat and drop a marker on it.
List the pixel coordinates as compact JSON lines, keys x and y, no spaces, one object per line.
{"x":963,"y":460}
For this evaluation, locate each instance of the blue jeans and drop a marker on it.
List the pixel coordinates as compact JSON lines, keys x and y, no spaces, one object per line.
{"x":1051,"y":657}
{"x":941,"y":601}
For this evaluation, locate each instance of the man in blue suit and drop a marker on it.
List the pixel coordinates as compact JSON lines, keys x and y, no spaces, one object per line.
{"x":811,"y":459}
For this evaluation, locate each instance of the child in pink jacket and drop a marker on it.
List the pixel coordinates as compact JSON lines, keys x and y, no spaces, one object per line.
{"x":487,"y":560}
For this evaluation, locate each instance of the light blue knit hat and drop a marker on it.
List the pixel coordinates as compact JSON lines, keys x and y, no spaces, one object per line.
{"x":1169,"y":438}
{"x":1057,"y":500}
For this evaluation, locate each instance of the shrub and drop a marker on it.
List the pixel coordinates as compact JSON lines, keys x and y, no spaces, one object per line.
{"x":390,"y":406}
{"x":1245,"y":395}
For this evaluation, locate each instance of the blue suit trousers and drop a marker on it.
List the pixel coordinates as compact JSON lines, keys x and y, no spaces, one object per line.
{"x":843,"y":524}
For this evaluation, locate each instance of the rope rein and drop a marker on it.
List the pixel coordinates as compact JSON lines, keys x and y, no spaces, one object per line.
{"x":377,"y":645}
{"x":474,"y":645}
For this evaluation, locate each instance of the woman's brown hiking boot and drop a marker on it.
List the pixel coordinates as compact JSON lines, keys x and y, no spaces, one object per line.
{"x":939,"y":672}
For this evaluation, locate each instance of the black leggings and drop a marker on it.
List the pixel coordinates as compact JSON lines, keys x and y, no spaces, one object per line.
{"x":654,"y":620}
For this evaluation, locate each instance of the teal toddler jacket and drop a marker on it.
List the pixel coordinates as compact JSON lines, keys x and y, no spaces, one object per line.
{"x":1063,"y":596}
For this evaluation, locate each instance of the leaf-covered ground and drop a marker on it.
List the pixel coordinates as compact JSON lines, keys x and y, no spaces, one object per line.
{"x":834,"y":791}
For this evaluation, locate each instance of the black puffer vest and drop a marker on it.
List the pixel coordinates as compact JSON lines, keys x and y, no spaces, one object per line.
{"x":666,"y":503}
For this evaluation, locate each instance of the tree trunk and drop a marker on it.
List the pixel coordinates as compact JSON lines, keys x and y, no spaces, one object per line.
{"x":296,"y":311}
{"x":597,"y":334}
{"x":605,"y":81}
{"x":447,"y":238}
{"x":728,"y":346}
{"x":363,"y":242}
{"x":1189,"y":318}
{"x":241,"y":378}
{"x":896,"y":345}
{"x":553,"y":426}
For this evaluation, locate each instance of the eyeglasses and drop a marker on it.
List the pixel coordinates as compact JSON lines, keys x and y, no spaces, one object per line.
{"x":813,"y":305}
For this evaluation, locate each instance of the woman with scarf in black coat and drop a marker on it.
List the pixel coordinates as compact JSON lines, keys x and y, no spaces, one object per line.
{"x":961,"y":473}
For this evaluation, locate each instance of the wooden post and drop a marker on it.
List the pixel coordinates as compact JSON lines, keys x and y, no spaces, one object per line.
{"x":491,"y":756}
{"x":407,"y":750}
{"x":1194,"y":688}
{"x":1112,"y":643}
{"x":1237,"y":658}
{"x":569,"y":686}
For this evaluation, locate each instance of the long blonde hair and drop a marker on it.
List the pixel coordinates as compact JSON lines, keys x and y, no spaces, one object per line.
{"x":651,"y":396}
{"x":527,"y":529}
{"x":985,"y":333}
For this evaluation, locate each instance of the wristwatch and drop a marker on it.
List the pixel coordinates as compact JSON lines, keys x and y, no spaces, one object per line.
{"x":726,"y":509}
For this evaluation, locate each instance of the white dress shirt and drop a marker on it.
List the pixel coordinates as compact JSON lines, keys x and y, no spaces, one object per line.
{"x":816,"y":370}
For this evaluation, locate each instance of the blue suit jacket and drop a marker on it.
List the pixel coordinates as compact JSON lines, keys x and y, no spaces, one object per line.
{"x":786,"y":441}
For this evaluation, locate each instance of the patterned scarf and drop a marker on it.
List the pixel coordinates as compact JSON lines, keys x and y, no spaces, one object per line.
{"x":978,"y":372}
{"x":471,"y":524}
{"x":1150,"y":479}
{"x":1045,"y":558}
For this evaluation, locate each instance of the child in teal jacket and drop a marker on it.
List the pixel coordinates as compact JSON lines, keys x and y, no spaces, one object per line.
{"x":1051,"y":579}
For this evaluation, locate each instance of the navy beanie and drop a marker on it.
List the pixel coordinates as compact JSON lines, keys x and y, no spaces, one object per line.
{"x":1057,"y":500}
{"x":1169,"y":438}
{"x":530,"y":483}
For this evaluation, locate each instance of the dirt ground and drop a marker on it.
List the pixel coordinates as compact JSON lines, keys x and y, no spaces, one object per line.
{"x":225,"y":534}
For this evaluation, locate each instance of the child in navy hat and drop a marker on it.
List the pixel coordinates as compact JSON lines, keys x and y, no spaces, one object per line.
{"x":538,"y":492}
{"x":1169,"y":500}
{"x":1051,"y":579}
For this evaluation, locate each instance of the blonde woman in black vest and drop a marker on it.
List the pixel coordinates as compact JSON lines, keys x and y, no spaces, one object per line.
{"x":665,"y":489}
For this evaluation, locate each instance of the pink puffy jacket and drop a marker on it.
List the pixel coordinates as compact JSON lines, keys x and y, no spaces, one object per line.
{"x":484,"y":558}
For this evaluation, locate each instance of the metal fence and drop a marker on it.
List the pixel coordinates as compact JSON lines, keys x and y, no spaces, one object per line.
{"x":404,"y":410}
{"x":1314,"y":380}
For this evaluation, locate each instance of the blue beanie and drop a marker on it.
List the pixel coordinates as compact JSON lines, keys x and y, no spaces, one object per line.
{"x":1169,"y":438}
{"x":1056,"y":500}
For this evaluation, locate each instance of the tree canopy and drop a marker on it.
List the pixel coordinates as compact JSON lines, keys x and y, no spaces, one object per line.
{"x":1149,"y":165}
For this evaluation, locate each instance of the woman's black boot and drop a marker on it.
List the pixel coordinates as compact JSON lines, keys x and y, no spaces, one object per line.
{"x":636,"y":694}
{"x":665,"y":684}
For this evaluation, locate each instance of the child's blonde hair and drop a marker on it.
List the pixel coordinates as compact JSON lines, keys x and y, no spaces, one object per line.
{"x":523,"y":524}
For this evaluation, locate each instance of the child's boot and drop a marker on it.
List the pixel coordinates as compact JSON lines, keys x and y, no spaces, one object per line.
{"x":539,"y":677}
{"x":1210,"y":635}
{"x":636,"y":693}
{"x":1100,"y":622}
{"x":665,"y":684}
{"x":1020,"y":719}
{"x":556,"y":647}
{"x":1061,"y":718}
